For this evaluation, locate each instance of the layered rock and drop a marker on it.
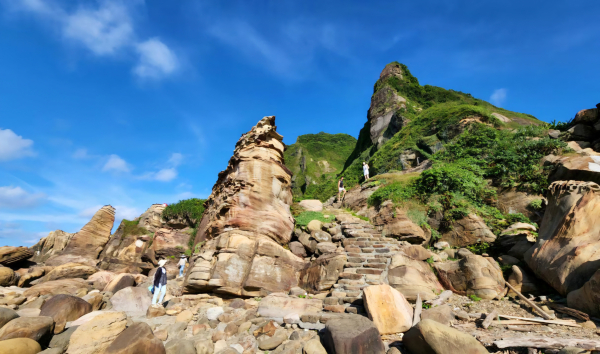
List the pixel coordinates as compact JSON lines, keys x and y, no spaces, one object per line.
{"x":247,"y":222}
{"x":123,"y":252}
{"x":85,"y":245}
{"x":394,"y":222}
{"x":566,"y":253}
{"x":152,"y":219}
{"x":472,"y":275}
{"x":413,"y":277}
{"x":468,"y":231}
{"x":578,"y":168}
{"x":53,"y":244}
{"x":10,"y":255}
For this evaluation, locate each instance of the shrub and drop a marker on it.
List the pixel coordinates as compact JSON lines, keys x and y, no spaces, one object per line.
{"x":536,"y":204}
{"x":190,"y":210}
{"x":133,"y":228}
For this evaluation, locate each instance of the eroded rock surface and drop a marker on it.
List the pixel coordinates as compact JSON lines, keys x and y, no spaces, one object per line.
{"x":472,"y":275}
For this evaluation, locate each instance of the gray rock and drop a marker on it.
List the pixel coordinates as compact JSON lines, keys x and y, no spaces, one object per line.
{"x":572,"y":350}
{"x":177,"y":329}
{"x":52,"y":351}
{"x":61,"y":341}
{"x":180,"y":346}
{"x":351,"y":334}
{"x":431,"y":337}
{"x":314,"y":346}
{"x":442,"y":314}
{"x":7,"y":315}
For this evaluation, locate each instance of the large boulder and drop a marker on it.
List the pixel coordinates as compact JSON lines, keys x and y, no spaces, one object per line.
{"x":472,"y":275}
{"x":413,"y":277}
{"x":352,"y":334}
{"x":64,"y":308}
{"x":394,"y":222}
{"x":32,"y":275}
{"x":517,"y":239}
{"x":431,"y":337}
{"x":37,"y":328}
{"x":322,"y":273}
{"x":169,"y":242}
{"x":132,"y":299}
{"x":565,"y":254}
{"x":277,"y":306}
{"x":468,"y":231}
{"x":19,"y":346}
{"x":7,"y":315}
{"x":8,"y":276}
{"x":70,"y":270}
{"x":311,"y":205}
{"x":587,"y":298}
{"x":53,"y":244}
{"x":95,"y":336}
{"x":511,"y":201}
{"x":119,"y":282}
{"x":388,"y":309}
{"x":100,"y":279}
{"x":137,"y":339}
{"x":577,"y":168}
{"x":55,"y":287}
{"x":85,"y":246}
{"x":9,"y":254}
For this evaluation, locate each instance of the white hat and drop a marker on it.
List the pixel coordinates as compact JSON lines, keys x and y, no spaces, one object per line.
{"x":162,"y":262}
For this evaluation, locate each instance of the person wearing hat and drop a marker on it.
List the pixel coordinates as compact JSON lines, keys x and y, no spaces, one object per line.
{"x":160,"y":283}
{"x":181,"y":264}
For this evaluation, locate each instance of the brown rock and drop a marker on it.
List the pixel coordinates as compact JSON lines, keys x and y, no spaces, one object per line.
{"x":119,"y":282}
{"x":64,"y":308}
{"x":524,"y":282}
{"x":395,"y":223}
{"x":132,"y":300}
{"x":311,"y":205}
{"x":51,"y":245}
{"x":55,"y":287}
{"x":100,"y":279}
{"x":95,"y":299}
{"x":152,"y":219}
{"x":565,"y":253}
{"x":95,"y":336}
{"x":19,"y":346}
{"x":85,"y":246}
{"x":33,"y":274}
{"x":9,"y":255}
{"x":352,"y":334}
{"x":185,"y":316}
{"x":70,"y":270}
{"x":7,"y":276}
{"x":37,"y":328}
{"x":472,"y":275}
{"x":297,"y":249}
{"x":587,"y":297}
{"x":412,"y":278}
{"x":137,"y":339}
{"x":576,"y":168}
{"x":511,"y":200}
{"x":123,"y":253}
{"x":170,"y":242}
{"x":335,"y":308}
{"x":388,"y":309}
{"x":442,"y":314}
{"x":431,"y":337}
{"x":417,"y":252}
{"x":155,"y":311}
{"x":7,"y":315}
{"x":278,"y":305}
{"x":468,"y":231}
{"x":321,"y":274}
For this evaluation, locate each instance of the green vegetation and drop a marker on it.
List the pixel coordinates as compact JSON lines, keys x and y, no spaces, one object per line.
{"x":307,"y":216}
{"x":536,"y":204}
{"x":190,"y":210}
{"x":474,"y":297}
{"x":315,"y":160}
{"x":133,"y":228}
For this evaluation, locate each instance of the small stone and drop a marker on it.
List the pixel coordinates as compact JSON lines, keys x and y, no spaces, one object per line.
{"x":213,"y":313}
{"x":589,"y":324}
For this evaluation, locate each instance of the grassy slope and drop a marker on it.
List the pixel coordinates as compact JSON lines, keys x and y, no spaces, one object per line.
{"x":314,"y":149}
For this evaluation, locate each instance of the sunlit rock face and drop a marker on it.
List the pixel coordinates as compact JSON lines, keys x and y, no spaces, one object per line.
{"x":239,"y":246}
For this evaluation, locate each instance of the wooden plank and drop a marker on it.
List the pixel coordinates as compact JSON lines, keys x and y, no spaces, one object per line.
{"x":445,"y":295}
{"x":569,"y":311}
{"x":519,"y":328}
{"x":527,"y":323}
{"x":547,"y":343}
{"x":529,"y":302}
{"x":418,"y":308}
{"x":488,"y":320}
{"x":570,"y":323}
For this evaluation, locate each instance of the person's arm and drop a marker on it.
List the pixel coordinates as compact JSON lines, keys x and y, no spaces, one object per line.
{"x":340,"y":181}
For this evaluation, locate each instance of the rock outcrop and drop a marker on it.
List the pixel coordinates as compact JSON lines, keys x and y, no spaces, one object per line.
{"x":413,"y":277}
{"x":85,"y":245}
{"x":152,"y":219}
{"x":394,"y":222}
{"x":472,"y":275}
{"x":566,"y":253}
{"x":123,"y":252}
{"x":468,"y":231}
{"x":247,"y":222}
{"x":577,"y":168}
{"x":53,"y":244}
{"x":431,"y":337}
{"x":10,"y":255}
{"x":64,"y":308}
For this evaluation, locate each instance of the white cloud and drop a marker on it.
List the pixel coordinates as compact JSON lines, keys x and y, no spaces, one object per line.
{"x":156,"y":59}
{"x":18,"y":198}
{"x":106,"y":29}
{"x":80,"y":154}
{"x":498,"y":97}
{"x":166,"y":175}
{"x":115,"y":163}
{"x":176,"y":159}
{"x":13,"y":146}
{"x":124,"y":212}
{"x":103,"y":31}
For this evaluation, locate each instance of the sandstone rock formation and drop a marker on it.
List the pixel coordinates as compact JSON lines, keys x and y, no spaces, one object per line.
{"x":352,"y":334}
{"x":85,"y":245}
{"x":247,"y":221}
{"x":170,"y":242}
{"x":10,"y":255}
{"x":472,"y":275}
{"x":95,"y":336}
{"x":70,"y":270}
{"x":152,"y":219}
{"x":587,"y":298}
{"x":322,"y":273}
{"x":53,"y":244}
{"x":577,"y":168}
{"x":136,"y":339}
{"x":394,"y":222}
{"x":432,"y":337}
{"x":412,"y":277}
{"x":123,"y":253}
{"x":566,"y":253}
{"x":468,"y":231}
{"x":8,"y":276}
{"x":37,"y":328}
{"x":388,"y":309}
{"x":55,"y":287}
{"x":311,"y":205}
{"x":63,"y":308}
{"x":19,"y":346}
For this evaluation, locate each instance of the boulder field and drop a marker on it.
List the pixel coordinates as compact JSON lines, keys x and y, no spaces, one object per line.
{"x":364,"y":280}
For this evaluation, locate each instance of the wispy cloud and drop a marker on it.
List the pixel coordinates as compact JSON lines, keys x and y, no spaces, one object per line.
{"x":13,"y":146}
{"x":106,"y":29}
{"x":166,"y":174}
{"x":18,"y":198}
{"x":80,"y":154}
{"x":498,"y":97}
{"x":115,"y":163}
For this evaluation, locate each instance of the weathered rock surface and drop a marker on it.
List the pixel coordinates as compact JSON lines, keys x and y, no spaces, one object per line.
{"x":70,"y":270}
{"x":53,"y":244}
{"x":137,"y":339}
{"x":524,"y":282}
{"x":55,"y":287}
{"x":7,"y":315}
{"x":518,"y":239}
{"x":577,"y":168}
{"x":468,"y":231}
{"x":9,"y":255}
{"x":85,"y":245}
{"x":352,"y":334}
{"x":587,"y":298}
{"x":170,"y":242}
{"x":431,"y":337}
{"x":8,"y":276}
{"x":33,"y":274}
{"x":566,"y":253}
{"x":64,"y":308}
{"x":311,"y":205}
{"x":388,"y":309}
{"x":119,"y":282}
{"x":472,"y":275}
{"x":132,"y":299}
{"x":442,"y":314}
{"x":37,"y":328}
{"x":511,"y":201}
{"x":395,"y":223}
{"x":277,"y":306}
{"x":412,"y":277}
{"x":123,"y":252}
{"x":152,"y":219}
{"x":322,"y":273}
{"x":95,"y":336}
{"x":19,"y":346}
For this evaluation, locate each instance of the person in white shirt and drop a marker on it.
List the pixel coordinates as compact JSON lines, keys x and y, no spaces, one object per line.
{"x":366,"y":170}
{"x":181,"y":265}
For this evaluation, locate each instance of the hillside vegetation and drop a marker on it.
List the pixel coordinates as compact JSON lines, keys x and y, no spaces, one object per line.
{"x":314,"y":159}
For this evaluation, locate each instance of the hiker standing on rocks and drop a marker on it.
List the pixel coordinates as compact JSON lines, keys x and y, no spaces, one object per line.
{"x":341,"y":189}
{"x":181,"y":265}
{"x":160,"y":283}
{"x":366,"y":170}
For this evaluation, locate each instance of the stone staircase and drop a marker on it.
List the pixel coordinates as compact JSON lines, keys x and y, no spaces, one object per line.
{"x":369,"y":255}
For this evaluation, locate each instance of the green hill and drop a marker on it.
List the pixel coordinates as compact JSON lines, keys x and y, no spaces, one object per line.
{"x":314,"y":159}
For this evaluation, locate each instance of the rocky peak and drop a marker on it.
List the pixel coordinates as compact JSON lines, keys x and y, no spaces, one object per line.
{"x":392,"y":69}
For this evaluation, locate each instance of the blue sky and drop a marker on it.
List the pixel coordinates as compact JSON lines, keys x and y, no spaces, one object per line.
{"x":136,"y":102}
